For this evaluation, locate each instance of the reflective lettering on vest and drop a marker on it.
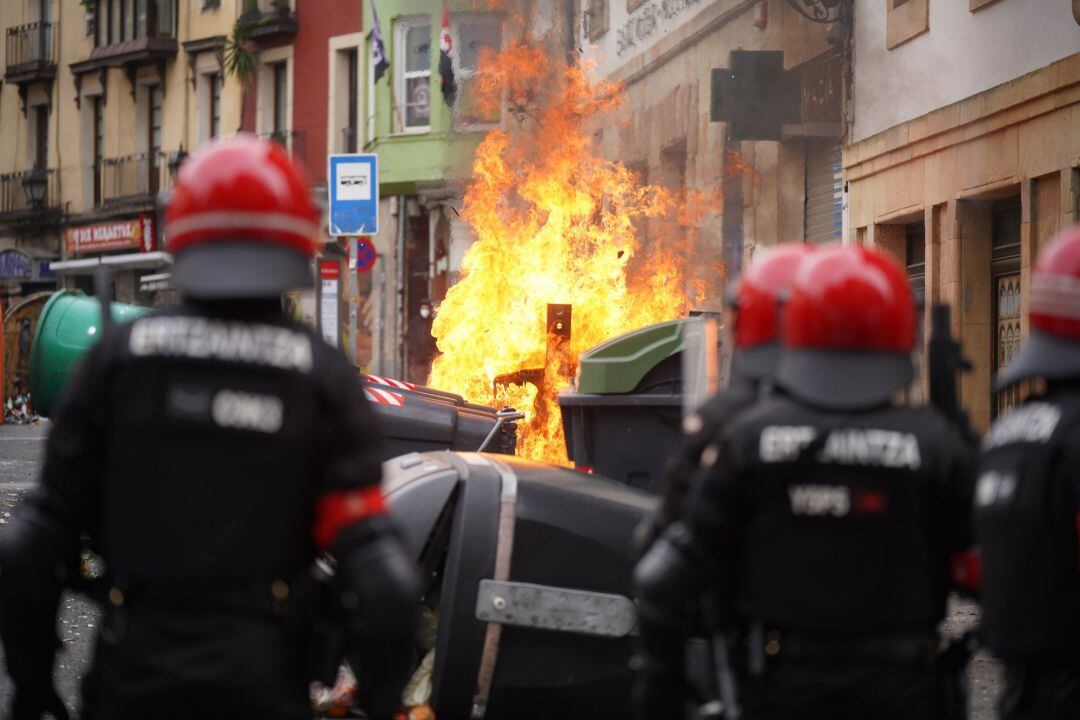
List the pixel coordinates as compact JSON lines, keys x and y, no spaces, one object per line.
{"x":200,"y":338}
{"x":784,"y":443}
{"x":247,"y":411}
{"x":819,"y":500}
{"x":1033,"y":423}
{"x":995,"y":488}
{"x":874,"y":448}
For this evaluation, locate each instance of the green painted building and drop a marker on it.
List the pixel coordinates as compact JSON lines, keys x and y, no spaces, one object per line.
{"x":425,"y":150}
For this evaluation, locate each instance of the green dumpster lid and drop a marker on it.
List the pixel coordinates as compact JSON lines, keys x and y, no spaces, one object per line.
{"x":618,"y":365}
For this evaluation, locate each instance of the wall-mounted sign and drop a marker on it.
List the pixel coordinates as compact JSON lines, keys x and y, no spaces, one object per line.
{"x":821,"y":83}
{"x":15,"y":265}
{"x":137,"y":234}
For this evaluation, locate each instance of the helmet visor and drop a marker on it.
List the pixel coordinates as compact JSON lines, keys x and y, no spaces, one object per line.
{"x":843,"y":379}
{"x":239,"y":271}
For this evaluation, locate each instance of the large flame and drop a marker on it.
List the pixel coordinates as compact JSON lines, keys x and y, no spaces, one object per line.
{"x":554,"y":222}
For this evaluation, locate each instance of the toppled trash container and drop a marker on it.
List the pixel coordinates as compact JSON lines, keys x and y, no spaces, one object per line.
{"x":414,"y":418}
{"x":69,"y":325}
{"x":528,"y":567}
{"x":622,"y":419}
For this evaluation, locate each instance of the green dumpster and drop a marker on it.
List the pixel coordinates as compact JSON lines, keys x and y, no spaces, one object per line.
{"x":69,"y":325}
{"x":622,"y":420}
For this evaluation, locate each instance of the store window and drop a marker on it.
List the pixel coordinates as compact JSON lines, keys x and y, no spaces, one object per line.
{"x":1007,"y":309}
{"x":412,"y":48}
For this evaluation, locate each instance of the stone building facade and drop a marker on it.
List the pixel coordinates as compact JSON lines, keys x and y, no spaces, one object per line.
{"x":783,"y":188}
{"x":964,"y":158}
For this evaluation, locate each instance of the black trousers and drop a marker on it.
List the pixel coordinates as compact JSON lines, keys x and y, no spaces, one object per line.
{"x":1040,"y":691}
{"x":165,"y":664}
{"x":807,"y":690}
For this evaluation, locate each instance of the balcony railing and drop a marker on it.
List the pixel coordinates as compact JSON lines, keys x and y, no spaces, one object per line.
{"x":268,"y":19}
{"x":134,"y":178}
{"x":13,"y":195}
{"x":30,"y":48}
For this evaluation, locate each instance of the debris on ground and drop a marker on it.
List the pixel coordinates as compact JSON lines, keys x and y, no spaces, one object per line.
{"x":18,"y":411}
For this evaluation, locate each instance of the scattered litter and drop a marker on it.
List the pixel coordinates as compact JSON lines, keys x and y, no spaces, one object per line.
{"x":18,"y":411}
{"x":335,"y":701}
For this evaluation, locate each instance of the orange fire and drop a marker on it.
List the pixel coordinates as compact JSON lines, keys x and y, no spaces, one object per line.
{"x":554,"y":222}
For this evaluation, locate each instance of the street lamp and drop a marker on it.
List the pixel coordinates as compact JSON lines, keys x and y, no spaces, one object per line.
{"x":35,"y":182}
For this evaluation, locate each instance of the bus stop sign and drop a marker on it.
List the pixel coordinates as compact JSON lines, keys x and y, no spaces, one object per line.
{"x":354,"y":194}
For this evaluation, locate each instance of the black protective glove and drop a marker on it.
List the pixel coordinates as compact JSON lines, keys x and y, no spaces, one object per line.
{"x":380,"y":594}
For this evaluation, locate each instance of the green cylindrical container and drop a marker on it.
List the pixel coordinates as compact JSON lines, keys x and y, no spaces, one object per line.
{"x":69,"y":325}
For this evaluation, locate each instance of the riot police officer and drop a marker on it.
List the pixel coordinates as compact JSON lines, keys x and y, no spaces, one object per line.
{"x":1027,"y":504}
{"x":754,"y":315}
{"x":826,"y":522}
{"x":210,"y":452}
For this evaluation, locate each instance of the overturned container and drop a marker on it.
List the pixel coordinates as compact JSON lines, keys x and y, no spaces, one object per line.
{"x":622,"y":419}
{"x":415,"y":418}
{"x":528,"y":569}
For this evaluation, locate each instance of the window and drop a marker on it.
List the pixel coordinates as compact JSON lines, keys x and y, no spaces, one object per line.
{"x":129,"y":19}
{"x":115,"y":21}
{"x":906,"y":19}
{"x":280,"y":117}
{"x":154,"y":139}
{"x":474,"y":33}
{"x":595,"y":22}
{"x":1005,"y":259}
{"x":41,"y":136}
{"x":352,"y":122}
{"x":370,"y":105}
{"x":915,"y":255}
{"x":412,"y":48}
{"x":97,"y":107}
{"x":120,"y":20}
{"x":215,"y":104}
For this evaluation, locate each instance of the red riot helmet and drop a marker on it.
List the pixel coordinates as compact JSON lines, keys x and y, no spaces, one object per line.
{"x":1053,"y":348}
{"x":241,"y":222}
{"x":756,"y":302}
{"x":848,"y":329}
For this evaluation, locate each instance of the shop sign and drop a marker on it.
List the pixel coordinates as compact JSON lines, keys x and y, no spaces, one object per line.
{"x":137,"y":234}
{"x":15,"y":265}
{"x":821,"y":83}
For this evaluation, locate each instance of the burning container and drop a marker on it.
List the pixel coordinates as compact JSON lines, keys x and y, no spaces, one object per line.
{"x":622,"y":420}
{"x":528,"y":571}
{"x":414,"y":418}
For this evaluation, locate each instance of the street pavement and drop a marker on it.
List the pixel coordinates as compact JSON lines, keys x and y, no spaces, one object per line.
{"x":21,"y":453}
{"x":22,"y":448}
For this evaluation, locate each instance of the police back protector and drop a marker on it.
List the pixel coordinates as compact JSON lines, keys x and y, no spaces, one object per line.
{"x":847,"y":517}
{"x":1027,"y":524}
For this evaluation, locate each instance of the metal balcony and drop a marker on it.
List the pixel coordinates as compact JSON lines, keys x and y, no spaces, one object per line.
{"x":17,"y":204}
{"x":31,"y":57}
{"x":134,"y":180}
{"x":268,"y":20}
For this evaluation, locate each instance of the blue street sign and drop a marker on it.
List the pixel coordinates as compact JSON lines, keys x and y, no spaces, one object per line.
{"x":354,"y":194}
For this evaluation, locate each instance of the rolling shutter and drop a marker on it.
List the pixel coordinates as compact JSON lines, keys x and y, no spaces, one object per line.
{"x":822,"y":220}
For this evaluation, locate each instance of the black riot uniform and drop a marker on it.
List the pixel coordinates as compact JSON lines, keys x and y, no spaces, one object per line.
{"x":1027,"y":504}
{"x":208,"y":454}
{"x":825,"y":528}
{"x":754,"y":310}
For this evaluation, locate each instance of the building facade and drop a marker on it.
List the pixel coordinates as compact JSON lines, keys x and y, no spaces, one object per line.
{"x":964,"y":158}
{"x":425,"y":149}
{"x":782,"y":186}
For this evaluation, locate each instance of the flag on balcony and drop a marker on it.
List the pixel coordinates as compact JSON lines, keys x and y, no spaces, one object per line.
{"x":446,"y":64}
{"x":378,"y":51}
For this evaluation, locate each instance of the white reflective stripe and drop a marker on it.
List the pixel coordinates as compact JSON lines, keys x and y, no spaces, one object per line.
{"x":384,"y":397}
{"x":1055,"y":295}
{"x":237,"y":220}
{"x":388,"y":381}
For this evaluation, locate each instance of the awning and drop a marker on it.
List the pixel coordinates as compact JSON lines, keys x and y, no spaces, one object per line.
{"x":129,"y":261}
